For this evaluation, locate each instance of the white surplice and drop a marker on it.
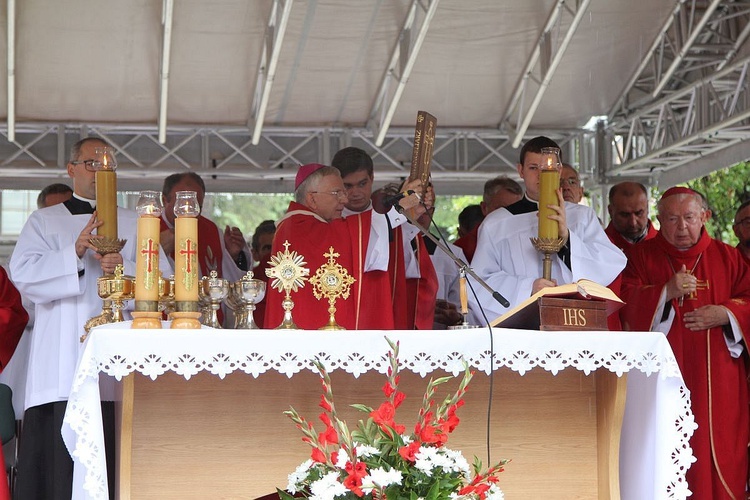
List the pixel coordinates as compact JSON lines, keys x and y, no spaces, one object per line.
{"x":45,"y":269}
{"x":506,"y":259}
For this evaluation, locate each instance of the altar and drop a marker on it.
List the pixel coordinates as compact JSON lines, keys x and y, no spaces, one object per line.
{"x":190,"y":375}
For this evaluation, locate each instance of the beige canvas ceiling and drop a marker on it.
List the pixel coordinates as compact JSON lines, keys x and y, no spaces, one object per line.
{"x":95,"y":66}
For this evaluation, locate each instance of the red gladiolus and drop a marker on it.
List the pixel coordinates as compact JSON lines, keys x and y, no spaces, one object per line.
{"x":409,"y":452}
{"x":318,"y":456}
{"x":384,"y":417}
{"x":328,"y":436}
{"x":388,"y":389}
{"x":353,"y":481}
{"x":324,"y":403}
{"x":398,"y":399}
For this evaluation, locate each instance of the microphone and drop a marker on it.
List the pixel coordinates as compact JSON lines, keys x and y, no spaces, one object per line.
{"x":392,"y":200}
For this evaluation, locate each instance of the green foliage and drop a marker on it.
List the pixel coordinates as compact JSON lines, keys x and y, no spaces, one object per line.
{"x":245,"y":211}
{"x":725,"y":190}
{"x":446,"y":213}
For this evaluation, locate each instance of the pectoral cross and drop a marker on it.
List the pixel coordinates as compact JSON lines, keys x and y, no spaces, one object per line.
{"x":189,"y":252}
{"x":149,"y":252}
{"x":699,"y":285}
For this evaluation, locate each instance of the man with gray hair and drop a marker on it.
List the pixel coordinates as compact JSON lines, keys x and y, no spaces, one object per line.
{"x":499,"y":192}
{"x":314,"y":228}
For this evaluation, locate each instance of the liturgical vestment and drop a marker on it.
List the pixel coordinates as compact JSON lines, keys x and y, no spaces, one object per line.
{"x":312,"y":237}
{"x":711,"y":360}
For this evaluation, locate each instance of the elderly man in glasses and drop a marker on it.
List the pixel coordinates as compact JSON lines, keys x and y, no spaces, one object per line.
{"x":742,"y":229}
{"x":312,"y":226}
{"x":696,"y":290}
{"x":570,"y":183}
{"x":55,"y":266}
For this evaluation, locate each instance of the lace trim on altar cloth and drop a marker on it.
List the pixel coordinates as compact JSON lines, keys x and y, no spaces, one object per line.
{"x":88,"y":448}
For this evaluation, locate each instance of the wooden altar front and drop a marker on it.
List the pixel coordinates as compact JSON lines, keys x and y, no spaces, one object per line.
{"x":203,"y":409}
{"x":212,"y":438}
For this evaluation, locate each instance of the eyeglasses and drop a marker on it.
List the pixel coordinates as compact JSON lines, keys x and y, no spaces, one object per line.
{"x":745,"y":223}
{"x":90,"y":165}
{"x":339,"y":193}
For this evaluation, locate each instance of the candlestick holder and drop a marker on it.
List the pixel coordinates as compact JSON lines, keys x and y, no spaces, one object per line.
{"x":288,"y":276}
{"x":248,"y":292}
{"x":113,"y":289}
{"x":548,"y":247}
{"x":166,"y":295}
{"x":213,"y":290}
{"x":331,"y":281}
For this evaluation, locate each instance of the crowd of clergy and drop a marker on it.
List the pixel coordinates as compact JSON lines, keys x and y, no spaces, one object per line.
{"x":676,"y":279}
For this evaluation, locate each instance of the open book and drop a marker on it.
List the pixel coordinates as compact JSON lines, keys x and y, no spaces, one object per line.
{"x":527,"y":312}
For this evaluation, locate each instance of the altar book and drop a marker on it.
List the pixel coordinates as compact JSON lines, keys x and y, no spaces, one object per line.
{"x":583,"y":305}
{"x":424,"y":141}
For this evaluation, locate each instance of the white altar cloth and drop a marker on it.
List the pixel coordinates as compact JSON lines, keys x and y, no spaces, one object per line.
{"x":658,"y":422}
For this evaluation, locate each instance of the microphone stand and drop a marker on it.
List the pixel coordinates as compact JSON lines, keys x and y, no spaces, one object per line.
{"x":463,"y":267}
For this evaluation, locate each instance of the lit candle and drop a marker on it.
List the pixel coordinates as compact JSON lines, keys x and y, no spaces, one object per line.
{"x":186,"y":247}
{"x":147,"y":259}
{"x":106,"y":192}
{"x":549,"y":183}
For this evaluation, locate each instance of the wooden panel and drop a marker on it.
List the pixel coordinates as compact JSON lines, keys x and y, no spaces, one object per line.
{"x":223,"y":439}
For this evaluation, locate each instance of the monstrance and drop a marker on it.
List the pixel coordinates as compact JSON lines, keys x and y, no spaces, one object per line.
{"x":331,"y":281}
{"x":289,"y":275}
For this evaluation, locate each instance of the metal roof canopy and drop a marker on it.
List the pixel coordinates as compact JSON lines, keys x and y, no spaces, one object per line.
{"x":243,"y":92}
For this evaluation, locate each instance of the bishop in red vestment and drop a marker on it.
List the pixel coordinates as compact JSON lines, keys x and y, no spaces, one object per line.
{"x":312,"y":225}
{"x":697,"y":290}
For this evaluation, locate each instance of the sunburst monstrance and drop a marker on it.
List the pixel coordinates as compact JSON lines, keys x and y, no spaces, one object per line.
{"x":332,"y":281}
{"x":289,"y":275}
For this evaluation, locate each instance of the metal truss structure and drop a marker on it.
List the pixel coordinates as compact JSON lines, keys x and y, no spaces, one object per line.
{"x":686,"y":110}
{"x":684,"y":113}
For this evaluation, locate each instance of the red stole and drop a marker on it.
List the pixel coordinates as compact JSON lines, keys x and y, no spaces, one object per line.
{"x":397,"y":275}
{"x":717,"y":382}
{"x":312,"y":237}
{"x":422,"y":291}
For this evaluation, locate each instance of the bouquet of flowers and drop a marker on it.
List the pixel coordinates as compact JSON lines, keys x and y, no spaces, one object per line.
{"x":378,"y":461}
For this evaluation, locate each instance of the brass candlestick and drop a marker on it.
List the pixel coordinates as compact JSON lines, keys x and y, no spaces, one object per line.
{"x":331,"y":281}
{"x":288,"y":276}
{"x":548,"y":246}
{"x":113,"y":289}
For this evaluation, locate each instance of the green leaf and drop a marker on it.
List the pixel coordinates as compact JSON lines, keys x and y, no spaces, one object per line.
{"x":283,"y":495}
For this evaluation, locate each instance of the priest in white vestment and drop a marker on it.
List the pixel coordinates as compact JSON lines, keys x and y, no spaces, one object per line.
{"x":506,"y":259}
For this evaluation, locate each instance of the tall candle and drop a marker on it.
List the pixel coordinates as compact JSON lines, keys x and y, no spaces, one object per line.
{"x":186,"y":259}
{"x":549,"y":183}
{"x":106,"y":202}
{"x":147,"y":263}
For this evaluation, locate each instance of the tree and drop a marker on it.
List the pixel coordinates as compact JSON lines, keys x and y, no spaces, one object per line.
{"x":725,"y":190}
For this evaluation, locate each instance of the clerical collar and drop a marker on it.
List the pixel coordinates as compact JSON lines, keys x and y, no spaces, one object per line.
{"x":90,"y":202}
{"x":523,"y":206}
{"x":78,"y":206}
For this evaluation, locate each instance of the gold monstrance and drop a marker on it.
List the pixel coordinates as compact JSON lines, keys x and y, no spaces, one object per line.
{"x":331,"y":281}
{"x":288,"y":276}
